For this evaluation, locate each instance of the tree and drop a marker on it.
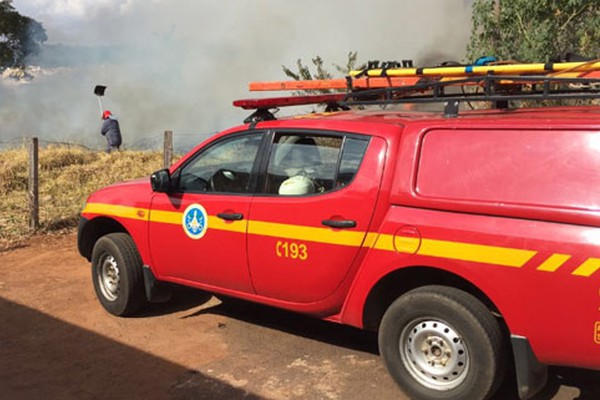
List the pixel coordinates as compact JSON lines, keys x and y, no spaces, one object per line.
{"x":20,"y":36}
{"x":534,"y":30}
{"x":303,"y":71}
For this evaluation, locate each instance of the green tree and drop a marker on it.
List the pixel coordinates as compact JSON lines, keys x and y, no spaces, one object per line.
{"x":534,"y":30}
{"x":303,"y":72}
{"x":20,"y":36}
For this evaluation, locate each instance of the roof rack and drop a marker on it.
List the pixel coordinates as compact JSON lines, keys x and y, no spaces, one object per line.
{"x":496,"y":89}
{"x":395,"y":83}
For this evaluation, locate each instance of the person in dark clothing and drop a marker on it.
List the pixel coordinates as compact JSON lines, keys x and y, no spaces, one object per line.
{"x":111,"y":130}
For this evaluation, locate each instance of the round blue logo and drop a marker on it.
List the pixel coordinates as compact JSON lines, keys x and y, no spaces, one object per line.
{"x":195,"y":221}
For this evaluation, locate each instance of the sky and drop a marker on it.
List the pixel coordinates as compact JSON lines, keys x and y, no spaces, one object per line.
{"x":179,"y":64}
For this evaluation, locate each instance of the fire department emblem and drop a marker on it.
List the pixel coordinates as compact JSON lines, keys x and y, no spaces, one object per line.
{"x":195,"y":221}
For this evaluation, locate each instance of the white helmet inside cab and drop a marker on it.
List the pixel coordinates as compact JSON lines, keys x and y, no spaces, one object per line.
{"x":297,"y":185}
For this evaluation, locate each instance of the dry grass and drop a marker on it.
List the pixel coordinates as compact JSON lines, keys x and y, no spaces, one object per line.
{"x":67,"y":176}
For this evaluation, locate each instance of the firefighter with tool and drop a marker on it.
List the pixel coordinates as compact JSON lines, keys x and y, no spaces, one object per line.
{"x":111,"y":130}
{"x":110,"y":127}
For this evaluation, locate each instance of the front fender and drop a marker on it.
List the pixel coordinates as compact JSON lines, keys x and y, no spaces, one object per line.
{"x":90,"y":230}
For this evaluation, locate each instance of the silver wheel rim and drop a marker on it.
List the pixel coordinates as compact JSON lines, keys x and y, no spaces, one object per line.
{"x":434,"y":354}
{"x":109,"y":278}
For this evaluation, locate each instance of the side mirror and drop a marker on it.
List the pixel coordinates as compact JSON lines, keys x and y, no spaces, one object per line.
{"x":161,"y":181}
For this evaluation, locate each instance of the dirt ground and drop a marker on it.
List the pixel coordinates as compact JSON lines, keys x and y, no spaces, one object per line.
{"x":56,"y":342}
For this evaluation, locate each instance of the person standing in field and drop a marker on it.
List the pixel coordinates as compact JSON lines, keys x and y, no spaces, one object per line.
{"x":111,"y":130}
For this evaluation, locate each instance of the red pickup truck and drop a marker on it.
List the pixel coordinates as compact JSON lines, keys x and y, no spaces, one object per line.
{"x":469,"y":241}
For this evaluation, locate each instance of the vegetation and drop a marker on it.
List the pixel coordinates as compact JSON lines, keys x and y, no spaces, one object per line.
{"x":67,"y":176}
{"x":20,"y":36}
{"x":534,"y":31}
{"x":303,"y":72}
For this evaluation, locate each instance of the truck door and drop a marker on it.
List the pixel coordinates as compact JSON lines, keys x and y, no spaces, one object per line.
{"x":198,"y":232}
{"x":306,"y":229}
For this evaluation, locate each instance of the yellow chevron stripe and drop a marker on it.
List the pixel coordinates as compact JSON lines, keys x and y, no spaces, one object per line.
{"x":586,"y":269}
{"x":554,"y":262}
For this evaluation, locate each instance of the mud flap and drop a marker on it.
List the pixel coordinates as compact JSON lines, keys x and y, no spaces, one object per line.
{"x":156,"y":291}
{"x":531,"y":374}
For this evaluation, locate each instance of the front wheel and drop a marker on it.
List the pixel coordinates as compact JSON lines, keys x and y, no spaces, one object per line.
{"x":117,"y":274}
{"x":439,"y":343}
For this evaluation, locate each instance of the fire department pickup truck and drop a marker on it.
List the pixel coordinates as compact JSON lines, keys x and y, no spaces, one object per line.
{"x":469,"y":240}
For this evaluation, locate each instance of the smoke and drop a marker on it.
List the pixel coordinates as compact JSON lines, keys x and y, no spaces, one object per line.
{"x":178,"y":64}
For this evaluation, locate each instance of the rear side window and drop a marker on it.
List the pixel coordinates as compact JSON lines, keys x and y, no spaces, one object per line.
{"x":308,"y":164}
{"x":352,"y":155}
{"x":543,"y":168}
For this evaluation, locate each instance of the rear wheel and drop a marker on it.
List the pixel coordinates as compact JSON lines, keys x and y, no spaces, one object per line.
{"x":117,"y":274}
{"x":438,"y":342}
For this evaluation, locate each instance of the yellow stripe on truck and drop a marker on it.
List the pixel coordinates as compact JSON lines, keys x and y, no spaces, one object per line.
{"x":116,"y":211}
{"x":487,"y":254}
{"x":505,"y":256}
{"x":306,"y":233}
{"x":166,"y":217}
{"x":586,"y":269}
{"x":554,"y":262}
{"x":175,"y":218}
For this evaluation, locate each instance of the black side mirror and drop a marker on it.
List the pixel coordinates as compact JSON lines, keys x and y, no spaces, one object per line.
{"x":161,"y":181}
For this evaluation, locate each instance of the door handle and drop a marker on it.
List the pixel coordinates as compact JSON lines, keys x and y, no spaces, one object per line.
{"x":231,"y":216}
{"x":341,"y":224}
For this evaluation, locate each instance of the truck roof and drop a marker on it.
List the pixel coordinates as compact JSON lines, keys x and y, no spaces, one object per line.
{"x":580,"y":116}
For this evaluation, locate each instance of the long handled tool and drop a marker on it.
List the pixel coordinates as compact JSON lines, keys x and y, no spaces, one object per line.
{"x":586,"y":68}
{"x":99,"y":91}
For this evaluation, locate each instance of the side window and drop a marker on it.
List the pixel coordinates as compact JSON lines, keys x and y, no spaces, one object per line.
{"x":303,"y":164}
{"x":222,"y":168}
{"x":352,"y":155}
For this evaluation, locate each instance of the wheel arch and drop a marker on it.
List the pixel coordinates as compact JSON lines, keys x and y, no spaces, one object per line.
{"x":398,"y":282}
{"x":530,"y":374}
{"x":92,"y":230}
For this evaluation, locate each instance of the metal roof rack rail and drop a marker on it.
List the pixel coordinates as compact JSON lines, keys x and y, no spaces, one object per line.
{"x":494,"y":88}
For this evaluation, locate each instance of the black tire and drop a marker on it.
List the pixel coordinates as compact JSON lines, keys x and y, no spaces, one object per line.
{"x":439,"y":342}
{"x":117,"y":274}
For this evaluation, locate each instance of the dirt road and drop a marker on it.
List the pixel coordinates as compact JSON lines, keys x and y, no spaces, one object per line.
{"x":56,"y":342}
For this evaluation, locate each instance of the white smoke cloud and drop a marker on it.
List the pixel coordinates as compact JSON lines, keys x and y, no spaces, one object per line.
{"x":72,"y":9}
{"x":178,"y":64}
